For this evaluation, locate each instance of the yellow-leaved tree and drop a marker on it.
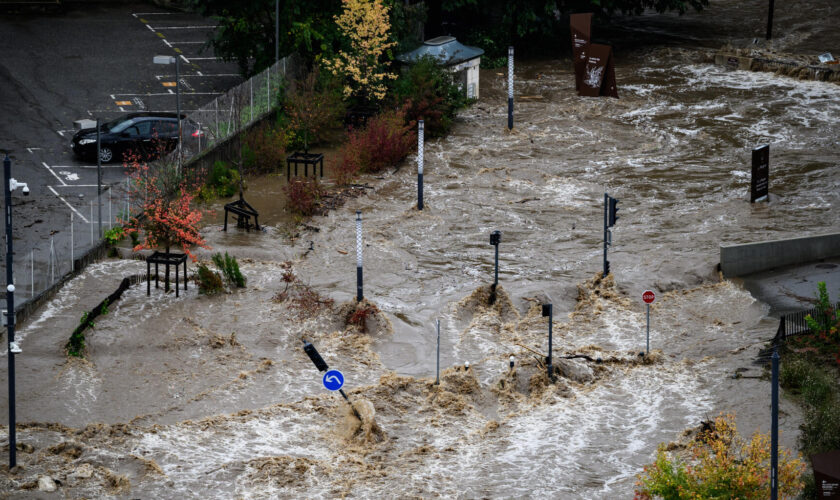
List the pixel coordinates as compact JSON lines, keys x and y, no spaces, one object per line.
{"x":366,"y":25}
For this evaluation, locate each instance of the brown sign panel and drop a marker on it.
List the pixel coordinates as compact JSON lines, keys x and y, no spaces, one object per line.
{"x":827,"y":474}
{"x":581,"y":28}
{"x":599,"y":73}
{"x":760,"y":173}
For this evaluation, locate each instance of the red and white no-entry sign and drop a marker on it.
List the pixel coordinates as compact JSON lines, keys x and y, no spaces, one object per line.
{"x":648,"y":297}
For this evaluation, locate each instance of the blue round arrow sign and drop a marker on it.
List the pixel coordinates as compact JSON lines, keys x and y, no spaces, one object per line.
{"x":333,"y":380}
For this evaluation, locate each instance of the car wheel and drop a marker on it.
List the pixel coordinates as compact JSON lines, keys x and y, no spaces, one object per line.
{"x":105,"y":154}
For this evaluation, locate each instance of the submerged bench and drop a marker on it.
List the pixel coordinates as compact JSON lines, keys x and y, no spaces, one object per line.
{"x":243,"y":212}
{"x":167,"y":259}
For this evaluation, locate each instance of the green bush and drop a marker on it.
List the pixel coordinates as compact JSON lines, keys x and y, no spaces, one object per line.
{"x":114,"y":235}
{"x":209,"y":281}
{"x":230,"y":269}
{"x":427,"y":91}
{"x":815,"y":382}
{"x":222,"y":181}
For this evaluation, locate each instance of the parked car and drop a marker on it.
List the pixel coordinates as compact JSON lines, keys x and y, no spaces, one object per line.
{"x":148,"y":135}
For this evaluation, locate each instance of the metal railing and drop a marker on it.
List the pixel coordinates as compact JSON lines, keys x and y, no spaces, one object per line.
{"x":792,"y":324}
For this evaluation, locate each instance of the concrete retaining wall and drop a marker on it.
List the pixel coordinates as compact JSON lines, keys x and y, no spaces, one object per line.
{"x":738,"y":260}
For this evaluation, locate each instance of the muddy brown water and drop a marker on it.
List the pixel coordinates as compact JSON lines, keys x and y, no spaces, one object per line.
{"x":218,"y":400}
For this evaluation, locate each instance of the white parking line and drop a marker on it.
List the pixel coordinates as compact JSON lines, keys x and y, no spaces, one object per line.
{"x":78,"y":186}
{"x":182,"y":43}
{"x":153,"y":30}
{"x":199,"y":27}
{"x":135,"y":14}
{"x":198,"y":74}
{"x":86,"y":166}
{"x":166,"y":42}
{"x":185,"y":59}
{"x":54,"y":174}
{"x":68,"y":204}
{"x":32,"y":149}
{"x":182,"y":93}
{"x":205,"y":58}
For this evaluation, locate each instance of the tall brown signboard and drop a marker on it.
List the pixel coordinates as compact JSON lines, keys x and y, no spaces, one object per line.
{"x":599,"y":73}
{"x":760,"y":173}
{"x":827,"y":474}
{"x":581,"y":28}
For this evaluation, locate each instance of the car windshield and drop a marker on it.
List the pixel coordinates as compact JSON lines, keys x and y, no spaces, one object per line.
{"x":116,"y":125}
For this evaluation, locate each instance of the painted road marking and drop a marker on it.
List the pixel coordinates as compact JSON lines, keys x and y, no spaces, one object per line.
{"x":179,"y":51}
{"x":185,"y":59}
{"x":121,"y":108}
{"x":167,"y":93}
{"x":54,"y":174}
{"x":79,"y":186}
{"x":185,"y":84}
{"x":153,"y":30}
{"x":199,"y":74}
{"x":151,"y":14}
{"x":198,"y":27}
{"x":168,"y":84}
{"x":167,"y":43}
{"x":70,"y":176}
{"x":182,"y":43}
{"x":144,"y":21}
{"x":161,"y":35}
{"x":85,"y":166}
{"x":122,"y":103}
{"x":139,"y":102}
{"x":32,"y":149}
{"x":204,"y":58}
{"x":69,"y":205}
{"x":112,"y":96}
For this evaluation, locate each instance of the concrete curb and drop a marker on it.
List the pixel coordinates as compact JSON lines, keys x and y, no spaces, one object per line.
{"x":748,"y":258}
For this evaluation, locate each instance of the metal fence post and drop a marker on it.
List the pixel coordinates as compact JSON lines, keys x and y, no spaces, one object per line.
{"x":774,"y":428}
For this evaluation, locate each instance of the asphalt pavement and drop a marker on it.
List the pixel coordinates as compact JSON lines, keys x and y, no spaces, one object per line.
{"x":92,"y":61}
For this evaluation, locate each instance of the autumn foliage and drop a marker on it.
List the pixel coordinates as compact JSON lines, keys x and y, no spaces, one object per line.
{"x":365,"y":24}
{"x":721,"y":464}
{"x":166,"y":217}
{"x":385,"y":141}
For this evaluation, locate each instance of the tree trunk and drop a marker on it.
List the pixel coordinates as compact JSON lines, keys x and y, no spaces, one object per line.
{"x":166,"y":279}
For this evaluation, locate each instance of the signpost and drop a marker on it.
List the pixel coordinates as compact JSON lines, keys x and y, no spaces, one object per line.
{"x":333,"y":380}
{"x":598,"y":77}
{"x":759,"y":188}
{"x":581,"y":28}
{"x":648,"y":297}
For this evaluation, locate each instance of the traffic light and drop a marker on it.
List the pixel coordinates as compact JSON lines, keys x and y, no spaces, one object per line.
{"x":612,"y":212}
{"x":495,"y":237}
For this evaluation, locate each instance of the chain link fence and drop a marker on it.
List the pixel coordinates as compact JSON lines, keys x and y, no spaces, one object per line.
{"x":235,"y":110}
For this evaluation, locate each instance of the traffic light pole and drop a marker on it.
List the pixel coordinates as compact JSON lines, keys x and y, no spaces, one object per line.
{"x":606,"y":229}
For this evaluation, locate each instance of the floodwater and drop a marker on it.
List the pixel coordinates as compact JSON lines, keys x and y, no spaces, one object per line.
{"x":199,"y":396}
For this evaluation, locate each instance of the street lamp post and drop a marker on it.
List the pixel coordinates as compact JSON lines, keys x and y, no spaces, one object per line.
{"x":9,"y":185}
{"x":177,"y":61}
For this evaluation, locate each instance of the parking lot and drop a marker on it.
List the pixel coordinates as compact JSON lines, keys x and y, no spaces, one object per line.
{"x":93,"y":61}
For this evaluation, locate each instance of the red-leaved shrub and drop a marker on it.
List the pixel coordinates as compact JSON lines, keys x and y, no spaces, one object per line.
{"x":303,"y":195}
{"x":383,"y":142}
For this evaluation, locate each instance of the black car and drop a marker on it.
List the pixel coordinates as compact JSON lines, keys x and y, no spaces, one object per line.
{"x":147,"y":135}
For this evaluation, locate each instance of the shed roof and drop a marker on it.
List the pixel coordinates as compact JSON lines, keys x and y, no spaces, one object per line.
{"x":444,"y":48}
